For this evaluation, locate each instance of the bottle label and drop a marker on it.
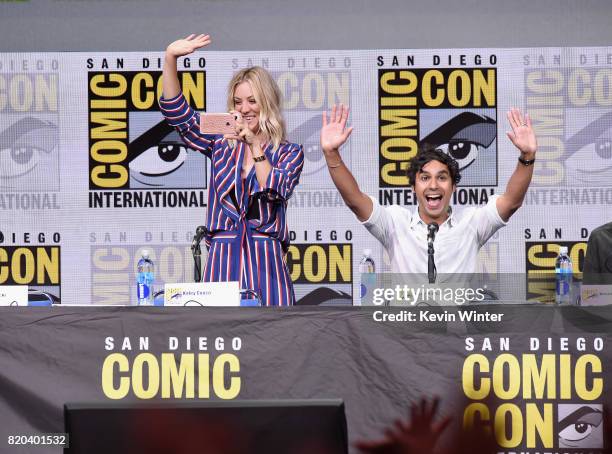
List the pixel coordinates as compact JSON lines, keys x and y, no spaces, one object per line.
{"x":368,"y":282}
{"x":562,"y":287}
{"x":143,"y":291}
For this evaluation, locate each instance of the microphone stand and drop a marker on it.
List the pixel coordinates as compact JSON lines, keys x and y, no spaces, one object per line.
{"x":431,"y":266}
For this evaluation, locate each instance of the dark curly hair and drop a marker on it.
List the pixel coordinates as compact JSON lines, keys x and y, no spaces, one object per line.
{"x":428,"y":153}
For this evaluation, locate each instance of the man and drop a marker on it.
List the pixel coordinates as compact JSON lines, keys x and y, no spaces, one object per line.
{"x":433,"y":176}
{"x":598,"y":260}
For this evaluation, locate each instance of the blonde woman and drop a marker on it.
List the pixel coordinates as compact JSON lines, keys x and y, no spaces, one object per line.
{"x":253,"y":175}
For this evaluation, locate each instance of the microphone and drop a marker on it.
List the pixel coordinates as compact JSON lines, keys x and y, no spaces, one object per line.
{"x":431,"y":266}
{"x":432,"y":229}
{"x":200,"y":231}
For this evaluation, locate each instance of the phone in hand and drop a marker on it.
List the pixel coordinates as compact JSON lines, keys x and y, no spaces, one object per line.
{"x":217,"y":123}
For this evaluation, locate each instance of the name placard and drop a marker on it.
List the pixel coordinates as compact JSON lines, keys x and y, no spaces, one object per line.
{"x":202,"y":294}
{"x":596,"y":295}
{"x":13,"y":295}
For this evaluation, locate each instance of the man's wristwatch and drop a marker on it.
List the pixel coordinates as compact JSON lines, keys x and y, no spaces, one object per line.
{"x":526,"y":162}
{"x":260,"y":158}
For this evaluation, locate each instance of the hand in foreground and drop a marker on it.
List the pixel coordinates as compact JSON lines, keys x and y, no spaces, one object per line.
{"x":185,"y":46}
{"x":522,"y":136}
{"x":334,"y":133}
{"x":419,"y":435}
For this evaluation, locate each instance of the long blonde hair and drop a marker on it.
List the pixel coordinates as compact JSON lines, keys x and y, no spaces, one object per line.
{"x":268,"y":96}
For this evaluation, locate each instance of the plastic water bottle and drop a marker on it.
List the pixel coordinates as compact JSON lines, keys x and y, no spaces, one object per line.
{"x":563,"y":274}
{"x":367,"y":269}
{"x":144,"y":280}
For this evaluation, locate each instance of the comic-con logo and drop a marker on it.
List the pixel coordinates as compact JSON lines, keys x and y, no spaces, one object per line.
{"x":306,"y":94}
{"x":453,"y":110}
{"x":540,"y":259}
{"x":173,"y":368}
{"x":571,"y":110}
{"x":38,"y":267}
{"x":131,"y":147}
{"x":29,"y":135}
{"x":322,"y":273}
{"x":113,"y":269}
{"x":546,"y":396}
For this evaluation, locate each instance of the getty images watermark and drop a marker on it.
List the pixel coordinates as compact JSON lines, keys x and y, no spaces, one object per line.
{"x":428,"y":302}
{"x":394,"y":289}
{"x":408,"y":295}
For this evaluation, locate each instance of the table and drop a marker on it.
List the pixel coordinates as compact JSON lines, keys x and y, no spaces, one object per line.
{"x":50,"y":356}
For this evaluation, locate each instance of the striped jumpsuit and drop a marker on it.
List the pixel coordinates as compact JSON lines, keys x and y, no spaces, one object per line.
{"x":246,"y":230}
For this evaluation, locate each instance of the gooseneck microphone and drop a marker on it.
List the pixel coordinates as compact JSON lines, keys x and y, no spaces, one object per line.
{"x":432,"y":273}
{"x":197,"y":253}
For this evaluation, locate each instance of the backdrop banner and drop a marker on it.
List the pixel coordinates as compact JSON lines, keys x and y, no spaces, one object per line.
{"x":87,"y":179}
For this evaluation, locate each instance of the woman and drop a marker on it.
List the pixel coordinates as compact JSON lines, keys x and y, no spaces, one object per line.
{"x":253,"y":175}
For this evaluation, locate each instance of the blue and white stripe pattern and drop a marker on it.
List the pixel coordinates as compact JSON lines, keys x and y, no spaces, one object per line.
{"x":247,"y":235}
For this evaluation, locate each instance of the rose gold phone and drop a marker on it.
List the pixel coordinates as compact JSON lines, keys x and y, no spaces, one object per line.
{"x":217,"y":123}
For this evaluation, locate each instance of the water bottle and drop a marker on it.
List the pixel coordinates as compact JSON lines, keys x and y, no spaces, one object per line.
{"x":563,"y":275}
{"x":144,"y":280}
{"x":367,"y":269}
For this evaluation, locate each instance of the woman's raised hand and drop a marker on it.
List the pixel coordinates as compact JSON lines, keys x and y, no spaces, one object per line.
{"x":185,"y":46}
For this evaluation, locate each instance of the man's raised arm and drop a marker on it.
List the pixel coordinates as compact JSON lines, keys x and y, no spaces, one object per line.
{"x":523,"y":137}
{"x":334,"y":134}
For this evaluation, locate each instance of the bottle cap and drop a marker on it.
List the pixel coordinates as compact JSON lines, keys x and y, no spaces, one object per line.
{"x":145,"y":254}
{"x":367,"y":252}
{"x":562,"y":249}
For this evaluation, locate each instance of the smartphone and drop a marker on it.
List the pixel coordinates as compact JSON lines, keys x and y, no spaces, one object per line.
{"x":217,"y":123}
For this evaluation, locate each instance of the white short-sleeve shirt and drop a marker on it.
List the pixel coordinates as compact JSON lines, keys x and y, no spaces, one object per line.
{"x":404,"y":236}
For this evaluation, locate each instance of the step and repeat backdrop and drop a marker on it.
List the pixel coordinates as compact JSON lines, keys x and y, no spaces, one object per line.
{"x":87,"y":182}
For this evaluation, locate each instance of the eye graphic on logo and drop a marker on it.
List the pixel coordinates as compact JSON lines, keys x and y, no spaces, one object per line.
{"x":588,"y":153}
{"x":581,"y":428}
{"x":160,"y":160}
{"x":603,"y":148}
{"x":463,"y":137}
{"x":22,"y":146}
{"x":577,"y":431}
{"x":159,"y":152}
{"x":307,"y":134}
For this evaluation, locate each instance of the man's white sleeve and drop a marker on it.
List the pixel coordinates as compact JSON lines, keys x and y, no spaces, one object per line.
{"x":379,"y":223}
{"x":488,"y":221}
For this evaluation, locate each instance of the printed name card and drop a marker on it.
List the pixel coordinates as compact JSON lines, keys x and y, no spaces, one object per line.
{"x":13,"y":295}
{"x":212,"y":294}
{"x":596,"y":295}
